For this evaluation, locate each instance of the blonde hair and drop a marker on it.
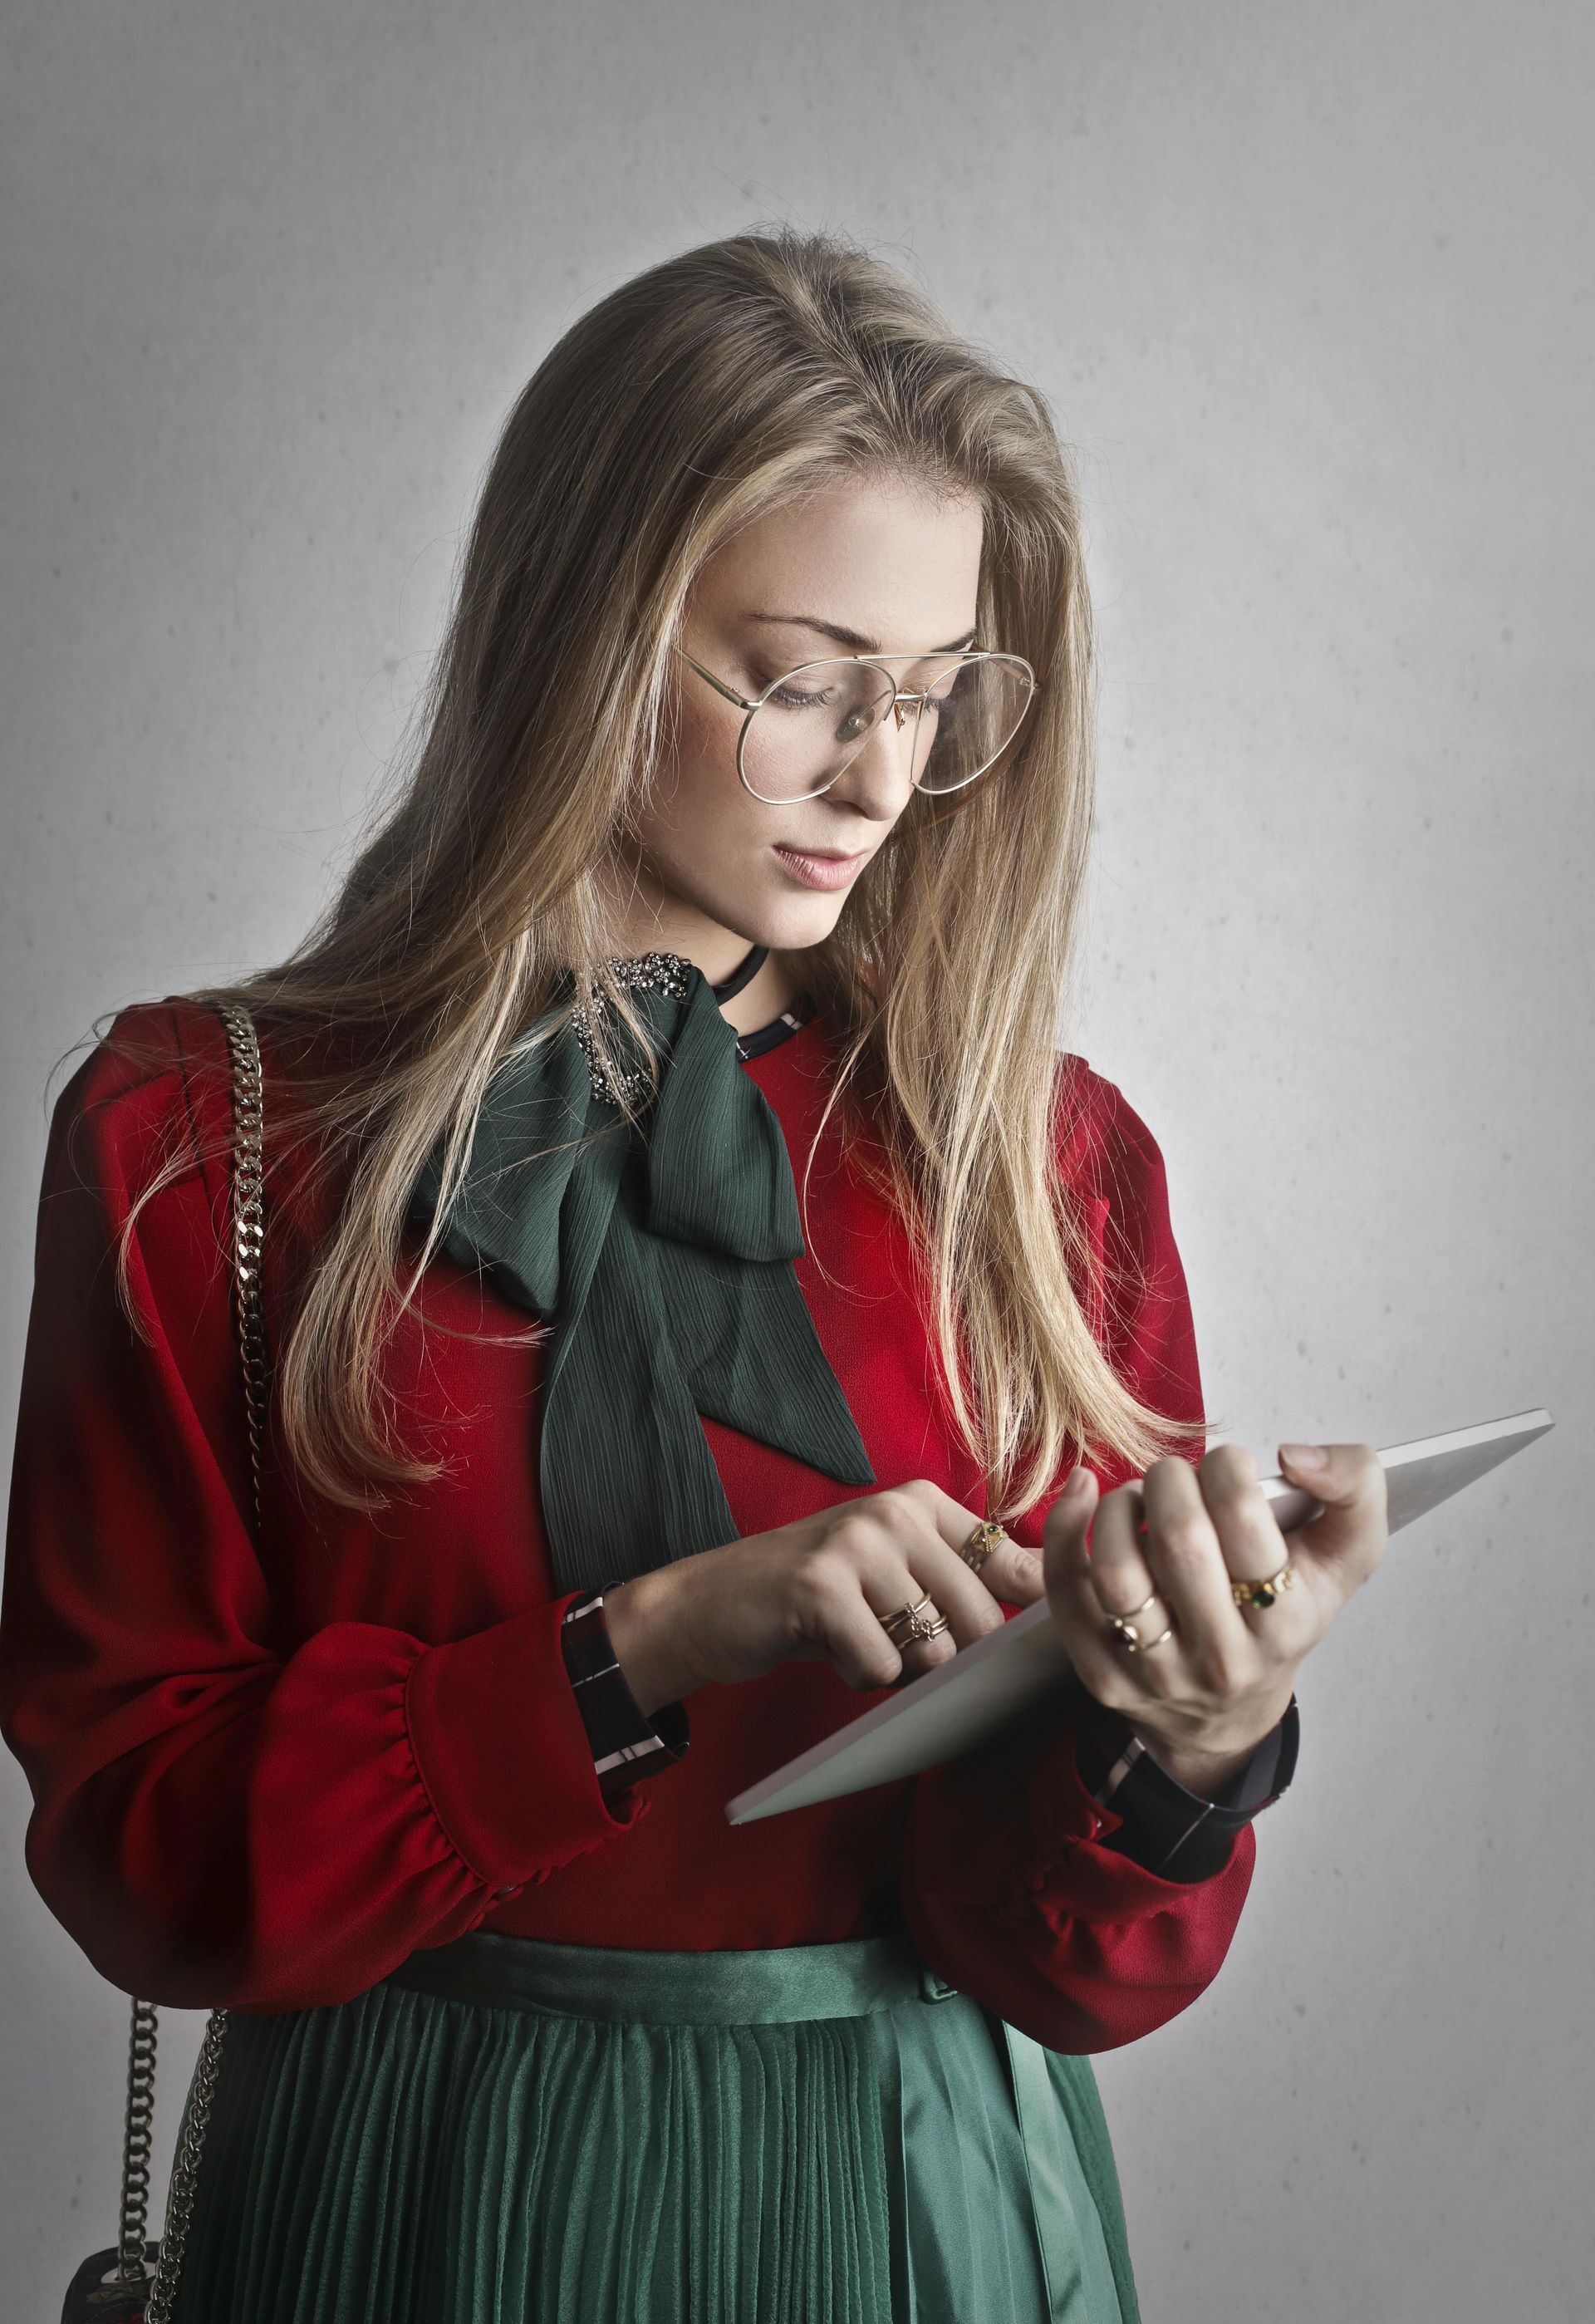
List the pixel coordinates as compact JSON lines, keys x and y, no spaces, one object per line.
{"x":686,"y":404}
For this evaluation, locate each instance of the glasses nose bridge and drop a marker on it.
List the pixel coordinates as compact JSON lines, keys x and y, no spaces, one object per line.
{"x":900,"y":695}
{"x":905,"y":709}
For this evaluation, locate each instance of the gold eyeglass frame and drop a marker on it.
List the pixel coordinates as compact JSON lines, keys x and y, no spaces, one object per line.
{"x":871,"y":661}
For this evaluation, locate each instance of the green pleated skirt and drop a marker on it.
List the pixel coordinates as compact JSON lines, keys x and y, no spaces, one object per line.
{"x":509,"y":2132}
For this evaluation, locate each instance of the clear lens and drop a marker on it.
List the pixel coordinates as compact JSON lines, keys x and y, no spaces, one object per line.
{"x":971,"y":712}
{"x":954,"y":714}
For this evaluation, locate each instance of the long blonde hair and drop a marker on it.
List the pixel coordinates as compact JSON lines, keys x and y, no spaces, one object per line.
{"x":686,"y":403}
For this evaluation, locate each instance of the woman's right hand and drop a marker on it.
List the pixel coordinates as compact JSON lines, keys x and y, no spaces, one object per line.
{"x":817,"y":1590}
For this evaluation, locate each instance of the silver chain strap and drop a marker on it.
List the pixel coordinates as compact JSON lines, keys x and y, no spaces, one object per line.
{"x":248,"y":1250}
{"x":136,"y":2143}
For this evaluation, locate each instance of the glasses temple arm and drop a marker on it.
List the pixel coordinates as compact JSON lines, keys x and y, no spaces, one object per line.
{"x":720,"y":688}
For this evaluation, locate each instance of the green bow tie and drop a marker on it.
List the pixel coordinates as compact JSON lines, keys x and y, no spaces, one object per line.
{"x":663,"y":1261}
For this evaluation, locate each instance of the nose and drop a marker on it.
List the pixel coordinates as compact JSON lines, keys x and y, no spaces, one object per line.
{"x":879,"y":781}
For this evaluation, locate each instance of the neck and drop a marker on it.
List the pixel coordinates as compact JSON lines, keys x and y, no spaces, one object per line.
{"x":657,"y":921}
{"x":757,"y":1000}
{"x":774,"y":985}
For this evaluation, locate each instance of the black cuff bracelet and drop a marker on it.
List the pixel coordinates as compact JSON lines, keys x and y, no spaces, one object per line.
{"x":1164,"y":1828}
{"x":625,"y":1742}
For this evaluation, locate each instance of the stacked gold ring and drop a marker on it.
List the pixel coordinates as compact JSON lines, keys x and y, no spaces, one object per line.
{"x":1129,"y":1638}
{"x":987,"y":1536}
{"x":1263,"y":1594}
{"x":909,"y":1624}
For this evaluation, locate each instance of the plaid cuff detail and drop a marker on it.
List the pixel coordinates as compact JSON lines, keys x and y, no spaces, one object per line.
{"x":625,"y":1744}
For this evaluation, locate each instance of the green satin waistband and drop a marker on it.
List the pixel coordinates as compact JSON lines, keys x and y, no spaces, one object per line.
{"x":823,"y":2132}
{"x":784,"y":1985}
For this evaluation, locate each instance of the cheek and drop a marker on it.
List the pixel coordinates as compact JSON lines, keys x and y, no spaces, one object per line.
{"x":700,"y":773}
{"x":700,"y":812}
{"x":707,"y":734}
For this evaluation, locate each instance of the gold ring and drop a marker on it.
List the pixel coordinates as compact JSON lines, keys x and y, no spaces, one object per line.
{"x":1263,"y":1594}
{"x":1124,"y":1626}
{"x":1134,"y":1644}
{"x":1118,"y":1621}
{"x":914,"y":1625}
{"x":986,"y":1537}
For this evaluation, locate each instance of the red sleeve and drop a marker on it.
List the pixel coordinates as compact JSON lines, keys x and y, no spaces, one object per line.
{"x":1008,"y":1892}
{"x":222,"y":1816}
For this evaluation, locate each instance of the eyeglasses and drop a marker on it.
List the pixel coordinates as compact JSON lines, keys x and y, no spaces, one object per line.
{"x":807,"y":728}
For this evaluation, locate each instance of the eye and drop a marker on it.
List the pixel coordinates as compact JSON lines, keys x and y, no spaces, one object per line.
{"x":796,"y":697}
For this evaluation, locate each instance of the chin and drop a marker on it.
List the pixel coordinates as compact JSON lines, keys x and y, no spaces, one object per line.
{"x":787,"y":922}
{"x":758,"y":903}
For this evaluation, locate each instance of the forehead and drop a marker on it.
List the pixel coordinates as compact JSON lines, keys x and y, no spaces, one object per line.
{"x":884,"y":558}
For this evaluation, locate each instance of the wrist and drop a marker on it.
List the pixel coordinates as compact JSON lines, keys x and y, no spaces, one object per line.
{"x":643,"y":1635}
{"x":1203,"y":1772}
{"x":1158,"y":1821}
{"x":1207,"y":1766}
{"x":626,"y":1742}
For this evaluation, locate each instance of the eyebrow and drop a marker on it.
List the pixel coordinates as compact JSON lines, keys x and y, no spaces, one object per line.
{"x":848,"y":637}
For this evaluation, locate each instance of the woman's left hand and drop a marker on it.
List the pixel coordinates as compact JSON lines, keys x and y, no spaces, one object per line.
{"x":1203,"y":1700}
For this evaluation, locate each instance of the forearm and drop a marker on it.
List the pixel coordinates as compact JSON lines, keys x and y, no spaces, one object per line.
{"x":284,"y":1836}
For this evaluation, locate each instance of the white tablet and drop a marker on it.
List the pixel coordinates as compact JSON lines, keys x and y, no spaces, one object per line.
{"x":966,"y":1703}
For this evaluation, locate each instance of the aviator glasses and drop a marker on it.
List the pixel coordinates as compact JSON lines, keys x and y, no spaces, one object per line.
{"x":806,"y":729}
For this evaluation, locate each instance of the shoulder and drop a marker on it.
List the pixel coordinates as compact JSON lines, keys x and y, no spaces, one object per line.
{"x":1137,"y":1302}
{"x":1112,"y":1169}
{"x":151,"y":1096}
{"x":1105,"y":1150}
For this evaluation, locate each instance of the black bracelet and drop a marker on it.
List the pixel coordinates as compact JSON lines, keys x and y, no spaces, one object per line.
{"x":1164,"y":1828}
{"x":625,"y":1742}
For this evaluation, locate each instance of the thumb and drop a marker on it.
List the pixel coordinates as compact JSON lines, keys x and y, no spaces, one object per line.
{"x":1349,"y":1480}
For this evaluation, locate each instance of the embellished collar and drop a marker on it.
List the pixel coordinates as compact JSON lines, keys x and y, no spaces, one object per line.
{"x":662,"y":1256}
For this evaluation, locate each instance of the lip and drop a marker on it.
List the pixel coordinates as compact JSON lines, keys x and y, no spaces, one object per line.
{"x":819,"y":870}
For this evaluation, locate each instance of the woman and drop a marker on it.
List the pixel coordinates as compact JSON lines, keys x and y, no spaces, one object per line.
{"x":683,"y":1240}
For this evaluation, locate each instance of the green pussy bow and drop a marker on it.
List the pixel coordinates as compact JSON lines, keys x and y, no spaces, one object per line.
{"x":661,"y":1257}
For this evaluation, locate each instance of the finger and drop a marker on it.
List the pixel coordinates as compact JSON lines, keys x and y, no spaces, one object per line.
{"x":919,"y":1629}
{"x":1249,"y":1535}
{"x":904,"y":1567}
{"x":1010,"y":1573}
{"x":1352,"y":1535}
{"x":855,"y":1640}
{"x":1066,"y":1555}
{"x":960,"y":1592}
{"x":1097,"y":1651}
{"x":1253,"y":1550}
{"x":1066,"y":1558}
{"x":899,"y":1560}
{"x":1183,"y":1551}
{"x":1125,"y":1583}
{"x":1120,"y":1587}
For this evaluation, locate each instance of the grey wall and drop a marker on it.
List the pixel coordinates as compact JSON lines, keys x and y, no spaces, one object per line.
{"x":1310,"y":287}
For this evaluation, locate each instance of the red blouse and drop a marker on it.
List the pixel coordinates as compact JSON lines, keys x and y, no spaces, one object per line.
{"x":262,"y":1777}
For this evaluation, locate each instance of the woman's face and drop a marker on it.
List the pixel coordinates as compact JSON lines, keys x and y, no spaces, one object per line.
{"x":866,"y":565}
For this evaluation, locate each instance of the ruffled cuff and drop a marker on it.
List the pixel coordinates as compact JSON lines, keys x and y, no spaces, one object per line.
{"x":502,"y":1747}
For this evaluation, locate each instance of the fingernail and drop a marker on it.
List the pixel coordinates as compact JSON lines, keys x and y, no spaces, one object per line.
{"x":1303,"y":1456}
{"x":1077,"y":1483}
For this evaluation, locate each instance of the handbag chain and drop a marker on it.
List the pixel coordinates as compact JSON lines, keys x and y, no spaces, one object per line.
{"x":248,"y":1222}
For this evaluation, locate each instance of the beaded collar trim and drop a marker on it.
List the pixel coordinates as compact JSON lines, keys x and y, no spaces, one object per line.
{"x":670,"y":972}
{"x":655,"y":972}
